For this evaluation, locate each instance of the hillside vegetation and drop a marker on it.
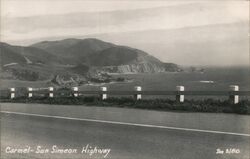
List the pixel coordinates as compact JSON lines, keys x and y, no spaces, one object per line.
{"x":75,"y":61}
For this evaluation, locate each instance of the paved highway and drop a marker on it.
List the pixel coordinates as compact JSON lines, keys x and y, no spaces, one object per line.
{"x":47,"y":131}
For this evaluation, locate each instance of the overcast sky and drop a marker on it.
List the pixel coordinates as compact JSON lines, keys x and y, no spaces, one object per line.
{"x":138,"y":23}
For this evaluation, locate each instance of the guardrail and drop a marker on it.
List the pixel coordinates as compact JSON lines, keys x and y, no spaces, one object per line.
{"x":138,"y":93}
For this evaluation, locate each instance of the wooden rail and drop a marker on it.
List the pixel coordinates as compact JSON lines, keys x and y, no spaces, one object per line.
{"x":233,"y":93}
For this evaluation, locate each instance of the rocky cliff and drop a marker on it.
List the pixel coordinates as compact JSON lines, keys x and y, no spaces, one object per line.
{"x":134,"y":68}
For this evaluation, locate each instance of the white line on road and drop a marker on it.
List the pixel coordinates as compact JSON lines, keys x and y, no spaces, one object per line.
{"x":125,"y":123}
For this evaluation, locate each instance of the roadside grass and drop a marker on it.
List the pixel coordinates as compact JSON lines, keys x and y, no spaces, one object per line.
{"x":206,"y":105}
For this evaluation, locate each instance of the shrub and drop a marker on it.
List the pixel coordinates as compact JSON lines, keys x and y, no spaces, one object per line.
{"x":207,"y":105}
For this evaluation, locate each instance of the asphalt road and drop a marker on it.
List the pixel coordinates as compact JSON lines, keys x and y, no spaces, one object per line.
{"x":125,"y":141}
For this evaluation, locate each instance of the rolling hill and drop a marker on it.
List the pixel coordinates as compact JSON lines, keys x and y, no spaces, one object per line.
{"x":73,"y":50}
{"x":106,"y":56}
{"x":76,"y":61}
{"x":24,"y":55}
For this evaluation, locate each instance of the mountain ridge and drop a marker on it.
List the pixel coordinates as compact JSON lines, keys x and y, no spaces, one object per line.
{"x":77,"y":61}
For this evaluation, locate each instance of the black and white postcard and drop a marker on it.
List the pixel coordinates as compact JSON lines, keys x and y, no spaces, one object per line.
{"x":124,"y":79}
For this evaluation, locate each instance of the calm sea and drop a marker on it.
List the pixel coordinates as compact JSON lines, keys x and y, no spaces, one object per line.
{"x":216,"y":79}
{"x":213,"y":79}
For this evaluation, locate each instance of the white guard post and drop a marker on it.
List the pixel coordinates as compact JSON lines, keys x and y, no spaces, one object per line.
{"x":12,"y":93}
{"x":30,"y":92}
{"x":234,"y":98}
{"x":75,"y":89}
{"x":51,"y":94}
{"x":138,"y":95}
{"x":179,"y":96}
{"x":104,"y":94}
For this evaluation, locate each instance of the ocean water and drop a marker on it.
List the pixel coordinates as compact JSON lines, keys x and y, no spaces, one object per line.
{"x":213,"y":79}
